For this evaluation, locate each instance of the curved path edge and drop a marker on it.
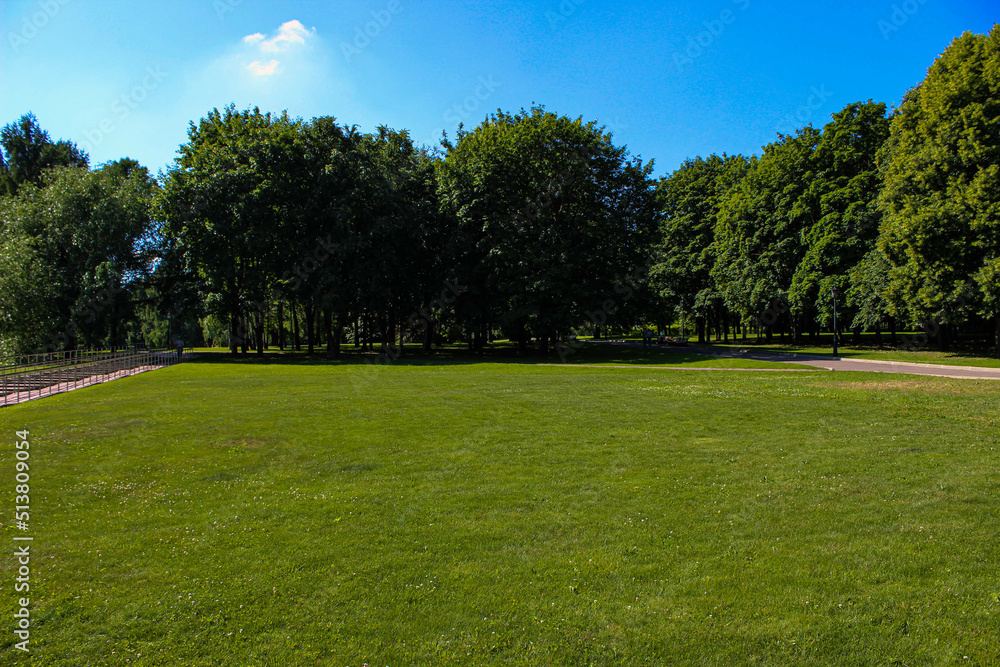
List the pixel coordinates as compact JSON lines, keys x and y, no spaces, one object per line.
{"x":838,"y":363}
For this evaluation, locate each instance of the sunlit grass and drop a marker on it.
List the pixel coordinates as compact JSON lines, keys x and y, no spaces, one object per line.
{"x":294,"y":513}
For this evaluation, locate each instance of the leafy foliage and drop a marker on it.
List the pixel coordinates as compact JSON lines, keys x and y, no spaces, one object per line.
{"x":72,"y":254}
{"x":549,"y":217}
{"x":941,"y":198}
{"x":26,"y":151}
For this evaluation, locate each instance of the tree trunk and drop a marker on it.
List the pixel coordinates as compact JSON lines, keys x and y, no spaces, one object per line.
{"x":892,"y":329}
{"x":328,"y":331}
{"x":878,"y":335}
{"x":428,"y":333}
{"x":942,"y":336}
{"x":296,"y":339}
{"x":310,"y":329}
{"x":281,"y":325}
{"x":338,"y":335}
{"x":259,"y":332}
{"x":477,"y":340}
{"x":234,"y":329}
{"x":401,"y":337}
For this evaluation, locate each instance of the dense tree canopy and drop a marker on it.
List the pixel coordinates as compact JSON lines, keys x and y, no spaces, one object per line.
{"x":760,"y":234}
{"x":550,"y":215}
{"x":225,"y":204}
{"x":73,"y":255}
{"x":685,"y":254}
{"x":941,"y":198}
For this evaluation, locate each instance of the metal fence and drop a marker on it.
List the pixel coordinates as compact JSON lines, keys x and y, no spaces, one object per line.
{"x":35,"y":375}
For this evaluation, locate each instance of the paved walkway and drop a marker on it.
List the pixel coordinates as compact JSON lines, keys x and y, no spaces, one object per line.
{"x":62,"y":387}
{"x":840,"y":364}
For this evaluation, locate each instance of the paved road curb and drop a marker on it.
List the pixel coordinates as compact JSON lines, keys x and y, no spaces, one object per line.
{"x":844,"y":365}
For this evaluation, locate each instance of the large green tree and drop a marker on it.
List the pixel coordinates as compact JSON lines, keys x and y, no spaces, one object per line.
{"x":941,"y":198}
{"x":227,"y":202}
{"x":549,"y":216}
{"x":759,"y":235}
{"x":689,"y":200}
{"x":844,"y":191}
{"x":73,"y":255}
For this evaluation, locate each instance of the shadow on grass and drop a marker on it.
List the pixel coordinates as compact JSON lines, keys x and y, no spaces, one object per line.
{"x":506,"y":353}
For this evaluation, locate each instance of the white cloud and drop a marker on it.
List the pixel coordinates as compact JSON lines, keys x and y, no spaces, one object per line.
{"x":290,"y":33}
{"x":303,"y":78}
{"x":258,"y":68}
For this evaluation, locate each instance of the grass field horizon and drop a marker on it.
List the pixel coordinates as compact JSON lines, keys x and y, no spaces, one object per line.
{"x":591,"y":353}
{"x":303,"y":512}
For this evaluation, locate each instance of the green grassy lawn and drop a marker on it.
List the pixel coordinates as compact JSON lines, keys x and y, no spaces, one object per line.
{"x":286,"y":512}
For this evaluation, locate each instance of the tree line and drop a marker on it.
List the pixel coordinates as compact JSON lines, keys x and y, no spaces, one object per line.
{"x":276,"y":231}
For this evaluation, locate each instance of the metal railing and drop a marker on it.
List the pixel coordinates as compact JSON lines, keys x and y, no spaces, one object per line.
{"x":35,"y":375}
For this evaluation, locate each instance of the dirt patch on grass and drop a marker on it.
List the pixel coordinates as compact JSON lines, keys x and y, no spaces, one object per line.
{"x":358,"y":467}
{"x":912,"y":384}
{"x":243,"y":443}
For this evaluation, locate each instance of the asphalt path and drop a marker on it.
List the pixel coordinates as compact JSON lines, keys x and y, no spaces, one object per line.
{"x":832,"y":363}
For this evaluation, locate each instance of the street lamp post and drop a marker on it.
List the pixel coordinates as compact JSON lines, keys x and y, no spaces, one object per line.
{"x":833,"y":291}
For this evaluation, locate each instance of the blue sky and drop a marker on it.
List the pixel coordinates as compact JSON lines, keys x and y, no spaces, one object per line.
{"x":670,"y":79}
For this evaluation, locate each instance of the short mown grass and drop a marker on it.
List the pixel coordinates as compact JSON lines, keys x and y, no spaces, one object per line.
{"x":288,"y":512}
